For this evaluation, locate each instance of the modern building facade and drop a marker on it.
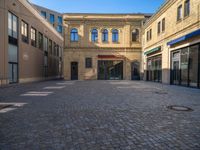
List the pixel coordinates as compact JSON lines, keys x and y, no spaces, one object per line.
{"x":30,"y":48}
{"x":102,"y":46}
{"x":171,"y":44}
{"x":53,"y":17}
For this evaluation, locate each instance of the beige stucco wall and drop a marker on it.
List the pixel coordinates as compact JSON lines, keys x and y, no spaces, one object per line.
{"x":173,"y":29}
{"x":31,"y":59}
{"x":78,"y":51}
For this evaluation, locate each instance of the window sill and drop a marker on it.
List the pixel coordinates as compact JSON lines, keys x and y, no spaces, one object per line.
{"x":185,"y":17}
{"x":178,"y":21}
{"x":115,"y":42}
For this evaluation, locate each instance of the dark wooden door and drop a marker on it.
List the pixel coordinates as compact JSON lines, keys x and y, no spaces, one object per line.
{"x":74,"y":70}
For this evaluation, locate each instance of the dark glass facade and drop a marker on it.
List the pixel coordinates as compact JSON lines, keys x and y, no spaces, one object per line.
{"x":185,"y":66}
{"x":154,"y":68}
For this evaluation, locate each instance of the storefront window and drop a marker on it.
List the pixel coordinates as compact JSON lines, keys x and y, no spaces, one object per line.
{"x":193,"y":66}
{"x":185,"y":66}
{"x":154,"y":69}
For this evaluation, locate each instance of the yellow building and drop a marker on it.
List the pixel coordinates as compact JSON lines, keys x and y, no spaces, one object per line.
{"x":102,"y":46}
{"x":171,"y":44}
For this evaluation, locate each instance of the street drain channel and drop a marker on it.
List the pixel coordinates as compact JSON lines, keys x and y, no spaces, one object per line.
{"x":3,"y":106}
{"x":160,"y":92}
{"x":179,"y":108}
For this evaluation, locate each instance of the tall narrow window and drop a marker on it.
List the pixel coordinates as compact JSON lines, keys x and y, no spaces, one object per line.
{"x":94,"y":35}
{"x":52,"y":19}
{"x":187,"y":8}
{"x":150,"y":34}
{"x":179,"y":13}
{"x":59,"y":28}
{"x":147,"y":35}
{"x":50,"y":46}
{"x":159,"y":27}
{"x":12,"y":28}
{"x":40,"y":40}
{"x":59,"y":20}
{"x":33,"y":37}
{"x":74,"y":35}
{"x":163,"y":24}
{"x":135,"y":35}
{"x":24,"y":31}
{"x":115,"y":35}
{"x":105,"y":35}
{"x":45,"y":44}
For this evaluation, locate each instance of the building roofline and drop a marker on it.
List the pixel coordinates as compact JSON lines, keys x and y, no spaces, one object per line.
{"x":46,"y":8}
{"x":157,"y":14}
{"x":33,"y":10}
{"x":114,"y":14}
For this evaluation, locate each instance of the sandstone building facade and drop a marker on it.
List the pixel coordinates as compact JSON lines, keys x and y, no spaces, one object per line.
{"x":30,"y":48}
{"x":171,"y":44}
{"x":102,"y":46}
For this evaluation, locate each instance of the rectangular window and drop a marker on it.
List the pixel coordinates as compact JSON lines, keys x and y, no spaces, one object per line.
{"x":179,"y":13}
{"x":147,"y":35}
{"x":88,"y":62}
{"x":54,"y":49}
{"x":52,"y":19}
{"x":40,"y":40}
{"x":45,"y":44}
{"x":12,"y":28}
{"x":44,"y":14}
{"x":50,"y":46}
{"x":150,"y":34}
{"x":163,"y":24}
{"x":24,"y":31}
{"x":59,"y":28}
{"x":59,"y":20}
{"x":187,"y":8}
{"x":33,"y":37}
{"x":159,"y":25}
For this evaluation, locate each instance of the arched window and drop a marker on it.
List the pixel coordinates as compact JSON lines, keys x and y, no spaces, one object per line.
{"x":94,"y":35}
{"x":105,"y":35}
{"x":74,"y":35}
{"x":115,"y":35}
{"x":135,"y":35}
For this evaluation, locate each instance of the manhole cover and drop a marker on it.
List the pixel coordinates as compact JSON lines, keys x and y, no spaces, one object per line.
{"x":179,"y":108}
{"x":3,"y":106}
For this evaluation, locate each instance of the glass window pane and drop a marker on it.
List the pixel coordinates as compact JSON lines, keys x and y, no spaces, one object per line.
{"x":12,"y":53}
{"x":184,"y":66}
{"x":193,"y":65}
{"x":9,"y":24}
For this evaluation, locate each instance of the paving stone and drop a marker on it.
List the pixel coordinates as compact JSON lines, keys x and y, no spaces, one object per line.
{"x":100,"y":115}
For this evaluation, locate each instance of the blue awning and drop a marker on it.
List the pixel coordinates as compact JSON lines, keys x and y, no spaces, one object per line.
{"x":185,"y":37}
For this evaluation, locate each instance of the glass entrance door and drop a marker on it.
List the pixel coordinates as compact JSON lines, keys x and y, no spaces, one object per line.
{"x":13,"y":72}
{"x":110,"y":70}
{"x":176,"y":68}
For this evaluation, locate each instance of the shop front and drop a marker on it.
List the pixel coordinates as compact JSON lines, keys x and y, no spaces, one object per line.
{"x":154,"y":65}
{"x":185,"y":66}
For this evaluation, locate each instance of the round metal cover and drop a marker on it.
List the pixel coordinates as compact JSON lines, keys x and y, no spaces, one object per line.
{"x":179,"y":108}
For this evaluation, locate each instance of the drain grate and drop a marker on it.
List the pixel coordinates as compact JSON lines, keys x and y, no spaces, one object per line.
{"x":160,"y":92}
{"x":179,"y":108}
{"x":3,"y":106}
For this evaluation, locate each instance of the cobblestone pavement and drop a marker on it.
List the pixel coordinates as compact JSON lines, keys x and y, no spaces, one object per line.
{"x":94,"y":115}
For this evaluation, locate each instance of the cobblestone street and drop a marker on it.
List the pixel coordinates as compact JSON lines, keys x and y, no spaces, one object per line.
{"x":94,"y":115}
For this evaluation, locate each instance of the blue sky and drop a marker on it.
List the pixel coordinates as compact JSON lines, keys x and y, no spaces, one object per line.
{"x":101,"y":6}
